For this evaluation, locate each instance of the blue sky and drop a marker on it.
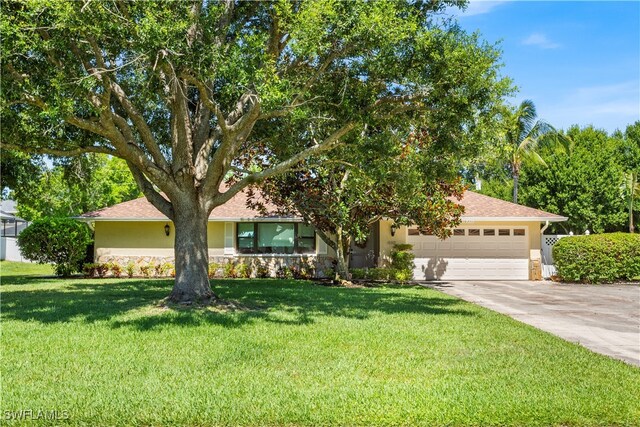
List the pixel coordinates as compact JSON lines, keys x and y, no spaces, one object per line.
{"x":578,"y":61}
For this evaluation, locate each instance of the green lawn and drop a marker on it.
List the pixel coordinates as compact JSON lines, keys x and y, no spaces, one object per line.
{"x":303,"y":354}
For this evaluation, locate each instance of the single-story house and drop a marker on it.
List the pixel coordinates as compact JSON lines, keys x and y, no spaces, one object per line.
{"x":496,"y":239}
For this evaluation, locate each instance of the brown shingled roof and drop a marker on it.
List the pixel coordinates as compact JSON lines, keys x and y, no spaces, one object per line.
{"x":480,"y":206}
{"x":142,"y":209}
{"x":477,"y":206}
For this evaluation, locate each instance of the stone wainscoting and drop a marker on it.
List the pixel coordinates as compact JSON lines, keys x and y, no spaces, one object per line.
{"x":320,"y":265}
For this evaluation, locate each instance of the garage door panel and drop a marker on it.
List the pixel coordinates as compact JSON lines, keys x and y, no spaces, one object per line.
{"x":444,"y":245}
{"x":471,"y":268}
{"x":486,"y":257}
{"x":475,"y":246}
{"x":459,"y":245}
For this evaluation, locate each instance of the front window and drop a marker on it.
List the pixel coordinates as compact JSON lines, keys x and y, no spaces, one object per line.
{"x":275,"y":238}
{"x":245,"y":237}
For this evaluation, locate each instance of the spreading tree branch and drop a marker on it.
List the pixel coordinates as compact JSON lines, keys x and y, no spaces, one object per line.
{"x":283,"y":166}
{"x":157,"y":199}
{"x":61,"y":153}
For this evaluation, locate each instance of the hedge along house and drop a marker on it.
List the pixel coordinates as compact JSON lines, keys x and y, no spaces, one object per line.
{"x":496,"y":240}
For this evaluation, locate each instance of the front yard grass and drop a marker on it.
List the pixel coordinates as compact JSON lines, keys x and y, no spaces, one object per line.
{"x":301,"y":354}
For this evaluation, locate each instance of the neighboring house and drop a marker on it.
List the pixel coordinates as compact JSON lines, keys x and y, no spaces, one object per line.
{"x":496,"y":240}
{"x":11,"y":227}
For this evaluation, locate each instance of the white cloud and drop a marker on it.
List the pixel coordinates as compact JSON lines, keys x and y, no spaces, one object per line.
{"x":611,"y":107}
{"x":478,"y":7}
{"x":540,"y":40}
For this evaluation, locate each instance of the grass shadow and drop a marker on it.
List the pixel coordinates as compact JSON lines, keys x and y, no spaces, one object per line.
{"x":134,"y":303}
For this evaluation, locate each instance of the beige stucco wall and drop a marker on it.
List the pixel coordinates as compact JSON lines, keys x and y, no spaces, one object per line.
{"x":387,"y":241}
{"x":146,"y":238}
{"x":146,"y":242}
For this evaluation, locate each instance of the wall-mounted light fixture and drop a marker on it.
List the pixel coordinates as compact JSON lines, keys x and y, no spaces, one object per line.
{"x":167,"y":229}
{"x":393,"y":229}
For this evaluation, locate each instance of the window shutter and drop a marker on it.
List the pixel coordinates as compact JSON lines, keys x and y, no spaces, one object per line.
{"x":229,"y":248}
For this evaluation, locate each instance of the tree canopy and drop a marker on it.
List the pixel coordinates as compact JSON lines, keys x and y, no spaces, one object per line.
{"x":17,"y":168}
{"x":586,"y":185}
{"x":405,"y":178}
{"x":630,"y":155}
{"x":72,"y":186}
{"x":191,"y":92}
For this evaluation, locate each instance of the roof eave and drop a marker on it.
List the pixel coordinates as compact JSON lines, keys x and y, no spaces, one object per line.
{"x":159,"y":219}
{"x":514,"y":218}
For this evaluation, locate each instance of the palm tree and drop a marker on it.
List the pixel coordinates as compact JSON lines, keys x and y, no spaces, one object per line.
{"x":522,"y":135}
{"x":633,"y":185}
{"x":630,"y":155}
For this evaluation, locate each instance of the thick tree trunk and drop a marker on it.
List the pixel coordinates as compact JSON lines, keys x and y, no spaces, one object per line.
{"x":191,"y":256}
{"x":342,"y":256}
{"x":631,"y":226}
{"x":515,"y":188}
{"x":634,"y":179}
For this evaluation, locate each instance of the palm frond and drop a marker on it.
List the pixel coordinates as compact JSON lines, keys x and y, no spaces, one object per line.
{"x":526,"y":117}
{"x":533,"y":157}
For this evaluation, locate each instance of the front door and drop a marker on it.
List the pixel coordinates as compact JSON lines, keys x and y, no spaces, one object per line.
{"x":366,"y":255}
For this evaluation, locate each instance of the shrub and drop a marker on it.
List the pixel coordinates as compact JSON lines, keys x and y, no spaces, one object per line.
{"x":242,"y":271}
{"x":284,"y":272}
{"x":130,"y":269}
{"x":382,"y":273}
{"x":59,"y":241}
{"x":359,"y":273}
{"x":89,"y":269}
{"x":598,"y":258}
{"x":402,"y":261}
{"x":116,"y":269}
{"x":146,"y":269}
{"x":229,"y":270}
{"x":402,"y":275}
{"x":168,"y":269}
{"x":302,"y":270}
{"x":213,"y":269}
{"x":262,"y":271}
{"x":102,"y":269}
{"x":157,"y":270}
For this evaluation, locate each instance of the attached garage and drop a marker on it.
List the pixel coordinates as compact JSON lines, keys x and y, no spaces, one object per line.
{"x":478,"y":252}
{"x":497,"y":240}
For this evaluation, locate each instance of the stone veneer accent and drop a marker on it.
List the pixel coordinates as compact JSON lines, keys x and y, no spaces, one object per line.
{"x":321,"y":264}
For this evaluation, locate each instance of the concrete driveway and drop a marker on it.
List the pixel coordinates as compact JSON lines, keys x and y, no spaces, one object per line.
{"x":603,"y":318}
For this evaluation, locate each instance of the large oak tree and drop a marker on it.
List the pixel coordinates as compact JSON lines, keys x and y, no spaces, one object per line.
{"x":191,"y":92}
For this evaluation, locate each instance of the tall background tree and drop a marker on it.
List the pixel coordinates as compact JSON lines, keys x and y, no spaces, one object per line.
{"x":522,"y":133}
{"x":71,"y":186}
{"x":585,"y":185}
{"x":187,"y":92}
{"x":630,"y":156}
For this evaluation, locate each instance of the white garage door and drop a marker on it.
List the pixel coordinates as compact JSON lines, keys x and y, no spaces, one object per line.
{"x":472,"y":253}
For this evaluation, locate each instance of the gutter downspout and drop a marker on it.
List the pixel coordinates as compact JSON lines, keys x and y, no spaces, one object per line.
{"x":544,"y":261}
{"x":546,"y":225}
{"x":542,"y":230}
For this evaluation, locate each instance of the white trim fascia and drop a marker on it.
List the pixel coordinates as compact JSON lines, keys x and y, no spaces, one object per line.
{"x":269,"y":219}
{"x":289,"y":219}
{"x":271,"y":255}
{"x":512,"y":219}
